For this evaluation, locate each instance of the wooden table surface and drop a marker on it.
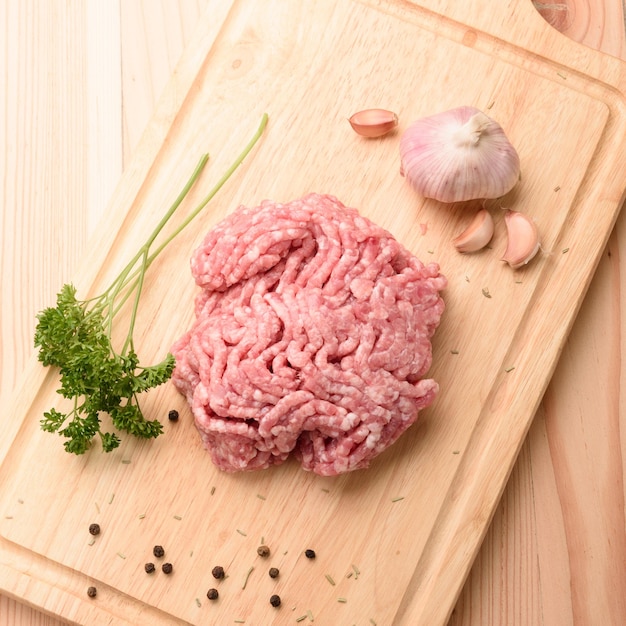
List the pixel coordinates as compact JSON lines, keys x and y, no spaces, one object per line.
{"x":81,"y":79}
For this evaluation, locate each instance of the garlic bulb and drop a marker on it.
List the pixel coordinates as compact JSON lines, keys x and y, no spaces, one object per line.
{"x":459,"y":155}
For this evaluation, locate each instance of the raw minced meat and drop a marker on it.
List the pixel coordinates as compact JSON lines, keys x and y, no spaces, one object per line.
{"x":312,"y":337}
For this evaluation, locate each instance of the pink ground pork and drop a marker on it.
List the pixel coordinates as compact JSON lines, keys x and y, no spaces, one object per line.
{"x":312,"y":337}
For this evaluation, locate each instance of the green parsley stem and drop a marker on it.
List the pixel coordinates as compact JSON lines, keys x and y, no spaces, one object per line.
{"x":76,"y":337}
{"x":138,"y":273}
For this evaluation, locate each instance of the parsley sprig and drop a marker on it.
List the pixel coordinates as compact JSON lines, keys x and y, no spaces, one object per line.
{"x":76,"y":337}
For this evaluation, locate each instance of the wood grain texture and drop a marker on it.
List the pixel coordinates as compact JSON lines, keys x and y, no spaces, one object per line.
{"x":543,"y":547}
{"x":110,"y":62}
{"x":555,"y":551}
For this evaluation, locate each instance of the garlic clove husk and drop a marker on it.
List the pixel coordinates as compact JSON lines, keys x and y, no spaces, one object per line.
{"x":458,"y":155}
{"x":477,"y":235}
{"x":373,"y":122}
{"x":523,"y":239}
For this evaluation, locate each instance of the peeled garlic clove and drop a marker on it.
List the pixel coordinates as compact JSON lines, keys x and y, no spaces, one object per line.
{"x":523,"y":239}
{"x":477,"y":235}
{"x":373,"y":122}
{"x":459,"y":155}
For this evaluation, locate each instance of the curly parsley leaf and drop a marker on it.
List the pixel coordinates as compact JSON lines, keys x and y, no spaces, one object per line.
{"x":75,"y":337}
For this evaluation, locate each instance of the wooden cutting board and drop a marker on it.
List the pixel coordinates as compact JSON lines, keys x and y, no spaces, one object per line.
{"x":397,"y":539}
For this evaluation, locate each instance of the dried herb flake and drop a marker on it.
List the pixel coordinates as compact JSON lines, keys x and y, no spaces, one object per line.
{"x":245,"y":582}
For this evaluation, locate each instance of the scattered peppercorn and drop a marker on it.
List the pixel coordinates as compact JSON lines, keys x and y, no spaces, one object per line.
{"x":212,"y":594}
{"x":167,"y":568}
{"x":149,"y":567}
{"x":274,"y":572}
{"x":92,"y":592}
{"x":172,"y":415}
{"x":263,"y":550}
{"x":158,"y":551}
{"x":94,"y":529}
{"x":275,"y":600}
{"x":218,"y":572}
{"x":310,"y":554}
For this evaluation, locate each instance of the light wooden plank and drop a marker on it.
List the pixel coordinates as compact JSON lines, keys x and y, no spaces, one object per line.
{"x":103,"y":74}
{"x":154,"y":35}
{"x":508,"y":585}
{"x":570,"y":479}
{"x":80,"y":45}
{"x":41,"y":184}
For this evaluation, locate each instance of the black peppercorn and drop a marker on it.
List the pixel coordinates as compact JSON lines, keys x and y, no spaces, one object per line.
{"x":92,"y":592}
{"x":149,"y":567}
{"x":158,"y":551}
{"x":172,"y":415}
{"x":94,"y":529}
{"x":212,"y":594}
{"x":310,"y":554}
{"x":167,"y":568}
{"x":218,"y":572}
{"x":263,"y":551}
{"x":275,"y":600}
{"x":273,"y":572}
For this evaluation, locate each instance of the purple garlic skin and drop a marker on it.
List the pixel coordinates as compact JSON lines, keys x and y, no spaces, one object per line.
{"x":459,"y":155}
